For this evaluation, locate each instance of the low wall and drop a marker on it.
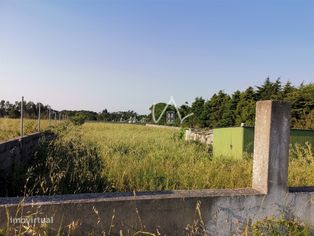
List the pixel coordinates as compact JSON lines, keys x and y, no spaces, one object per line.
{"x":18,"y":151}
{"x":15,"y":157}
{"x":205,"y":136}
{"x":223,"y":212}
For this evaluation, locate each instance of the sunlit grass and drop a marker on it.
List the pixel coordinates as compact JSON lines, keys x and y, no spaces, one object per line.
{"x":10,"y":128}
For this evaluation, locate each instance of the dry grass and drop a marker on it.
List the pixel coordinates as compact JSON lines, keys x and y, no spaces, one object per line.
{"x":301,"y":166}
{"x":10,"y":128}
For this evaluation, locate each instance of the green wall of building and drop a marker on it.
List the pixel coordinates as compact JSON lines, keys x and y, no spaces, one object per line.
{"x":236,"y":142}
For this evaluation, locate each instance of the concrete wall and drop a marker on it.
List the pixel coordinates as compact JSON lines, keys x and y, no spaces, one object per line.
{"x":18,"y":151}
{"x":15,"y":157}
{"x":224,"y":212}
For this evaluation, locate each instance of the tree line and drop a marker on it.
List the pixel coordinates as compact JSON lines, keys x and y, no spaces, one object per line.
{"x":221,"y":110}
{"x":31,"y":111}
{"x":224,"y":110}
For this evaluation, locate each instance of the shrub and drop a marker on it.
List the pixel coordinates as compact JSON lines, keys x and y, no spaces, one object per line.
{"x":78,"y":119}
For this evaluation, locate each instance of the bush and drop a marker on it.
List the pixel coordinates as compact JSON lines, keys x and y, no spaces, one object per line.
{"x":279,"y":227}
{"x":78,"y":119}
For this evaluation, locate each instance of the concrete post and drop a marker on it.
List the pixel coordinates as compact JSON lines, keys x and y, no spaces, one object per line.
{"x":271,"y":147}
{"x":22,"y":119}
{"x":39,"y":111}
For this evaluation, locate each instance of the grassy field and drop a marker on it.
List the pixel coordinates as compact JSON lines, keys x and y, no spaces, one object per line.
{"x":10,"y":128}
{"x":142,"y":158}
{"x":97,"y":157}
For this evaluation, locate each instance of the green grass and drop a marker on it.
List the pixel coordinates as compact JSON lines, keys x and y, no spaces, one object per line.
{"x":10,"y":128}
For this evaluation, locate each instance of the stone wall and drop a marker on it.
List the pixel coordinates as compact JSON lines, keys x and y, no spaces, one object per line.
{"x":205,"y":136}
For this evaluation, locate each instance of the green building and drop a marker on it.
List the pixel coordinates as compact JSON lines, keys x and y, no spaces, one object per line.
{"x":237,"y":142}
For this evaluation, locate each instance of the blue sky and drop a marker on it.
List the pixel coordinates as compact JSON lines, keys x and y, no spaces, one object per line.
{"x":124,"y":55}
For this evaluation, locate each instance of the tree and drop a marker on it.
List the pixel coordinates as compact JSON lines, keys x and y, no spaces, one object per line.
{"x":269,"y":90}
{"x":246,"y":108}
{"x":198,"y":108}
{"x":219,"y":110}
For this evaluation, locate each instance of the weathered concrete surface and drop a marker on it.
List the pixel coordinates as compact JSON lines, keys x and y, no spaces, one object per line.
{"x":15,"y":156}
{"x":18,"y":151}
{"x":271,"y":146}
{"x":224,"y":212}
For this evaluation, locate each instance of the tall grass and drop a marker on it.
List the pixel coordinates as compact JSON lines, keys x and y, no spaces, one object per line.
{"x":10,"y":128}
{"x":142,"y":158}
{"x":102,"y":157}
{"x":114,"y":157}
{"x":301,"y":165}
{"x":66,"y":165}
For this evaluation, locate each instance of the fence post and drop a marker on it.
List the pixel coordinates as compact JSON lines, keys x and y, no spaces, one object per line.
{"x":39,"y":107}
{"x":271,"y":147}
{"x":22,"y":118}
{"x":49,"y":116}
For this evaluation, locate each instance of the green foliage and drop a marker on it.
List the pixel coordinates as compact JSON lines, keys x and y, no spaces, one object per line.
{"x":199,"y":118}
{"x":223,"y":110}
{"x":182,"y":133}
{"x":12,"y":110}
{"x":280,"y":227}
{"x":158,"y":109}
{"x":78,"y":119}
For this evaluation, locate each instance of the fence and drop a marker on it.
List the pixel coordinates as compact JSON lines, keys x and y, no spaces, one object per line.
{"x":51,"y":115}
{"x":224,"y":212}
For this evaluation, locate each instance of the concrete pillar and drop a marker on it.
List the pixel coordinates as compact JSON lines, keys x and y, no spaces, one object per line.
{"x":271,"y":147}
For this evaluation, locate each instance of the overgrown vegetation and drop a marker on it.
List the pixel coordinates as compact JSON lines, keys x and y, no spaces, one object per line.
{"x":109,"y":157}
{"x":142,"y":158}
{"x":104,"y":157}
{"x":69,"y":164}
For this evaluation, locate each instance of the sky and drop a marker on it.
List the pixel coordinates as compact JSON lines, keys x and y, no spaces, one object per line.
{"x":127,"y":55}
